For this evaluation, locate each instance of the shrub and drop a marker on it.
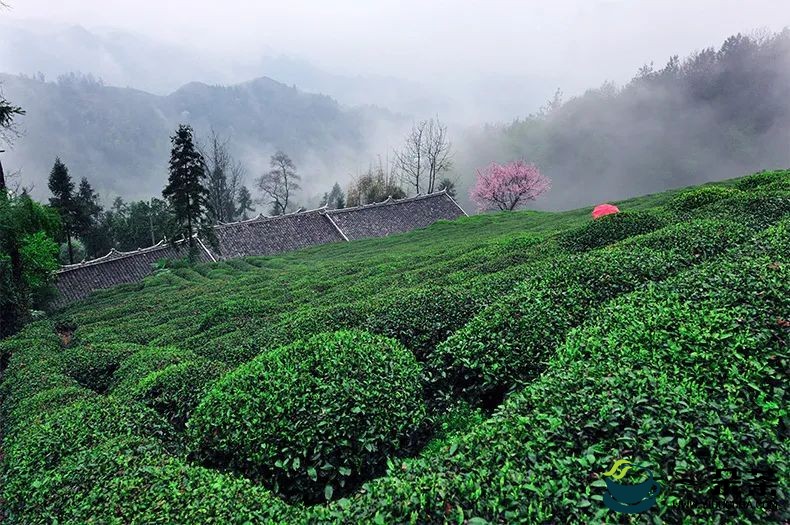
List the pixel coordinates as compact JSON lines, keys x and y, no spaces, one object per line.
{"x":93,"y":366}
{"x":238,"y":314}
{"x":20,"y":383}
{"x":142,"y":363}
{"x":67,"y":431}
{"x":37,"y":408}
{"x":762,"y":179}
{"x":693,"y":199}
{"x":314,"y":418}
{"x":511,"y":340}
{"x":609,"y":229}
{"x":688,"y":376}
{"x":307,"y":321}
{"x":134,"y":480}
{"x":175,"y":391}
{"x":757,"y":210}
{"x":421,"y":318}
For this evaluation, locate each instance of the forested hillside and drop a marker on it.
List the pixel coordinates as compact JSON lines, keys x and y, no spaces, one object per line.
{"x":119,"y":137}
{"x":484,"y":370}
{"x":711,"y":115}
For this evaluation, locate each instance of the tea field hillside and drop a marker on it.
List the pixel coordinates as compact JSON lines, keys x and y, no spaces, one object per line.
{"x":486,"y":370}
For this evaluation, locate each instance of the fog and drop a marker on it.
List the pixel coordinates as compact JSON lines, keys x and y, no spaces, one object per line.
{"x":480,"y":61}
{"x":484,"y":68}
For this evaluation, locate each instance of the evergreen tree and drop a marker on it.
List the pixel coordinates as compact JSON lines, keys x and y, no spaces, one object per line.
{"x":90,"y":214}
{"x":88,"y":200}
{"x":447,"y":185}
{"x":65,"y":202}
{"x":185,"y":192}
{"x":334,"y":199}
{"x":245,"y":203}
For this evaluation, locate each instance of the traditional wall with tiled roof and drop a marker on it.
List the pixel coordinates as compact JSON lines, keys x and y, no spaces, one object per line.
{"x":78,"y":280}
{"x":272,"y":235}
{"x":395,"y":216}
{"x":262,"y":236}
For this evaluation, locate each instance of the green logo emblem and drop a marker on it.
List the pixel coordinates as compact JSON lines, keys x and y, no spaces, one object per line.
{"x":629,"y":499}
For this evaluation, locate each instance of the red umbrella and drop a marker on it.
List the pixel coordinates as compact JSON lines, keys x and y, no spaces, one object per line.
{"x":604,"y":209}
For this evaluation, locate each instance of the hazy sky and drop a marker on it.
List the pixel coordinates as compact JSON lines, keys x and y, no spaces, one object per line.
{"x":592,"y":40}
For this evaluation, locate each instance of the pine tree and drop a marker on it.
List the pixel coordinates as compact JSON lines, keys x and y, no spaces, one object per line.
{"x":90,"y":211}
{"x":185,"y":192}
{"x":65,"y":202}
{"x":245,"y":203}
{"x":335,"y":199}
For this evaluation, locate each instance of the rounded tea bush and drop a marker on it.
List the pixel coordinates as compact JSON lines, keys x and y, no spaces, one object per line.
{"x":693,"y":199}
{"x":176,"y":391}
{"x":315,"y":418}
{"x":93,"y":366}
{"x":610,"y":229}
{"x":762,"y":179}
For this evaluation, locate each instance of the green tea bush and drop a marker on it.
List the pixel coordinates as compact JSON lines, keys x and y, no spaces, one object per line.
{"x":757,"y":210}
{"x":315,"y":418}
{"x":421,"y":318}
{"x":24,"y":381}
{"x":511,"y":340}
{"x":93,"y":366}
{"x":134,"y":480}
{"x":238,"y":313}
{"x":693,"y":199}
{"x":35,"y":409}
{"x":175,"y":391}
{"x":610,"y":229}
{"x":762,"y":179}
{"x":687,"y":376}
{"x":308,"y":321}
{"x":144,"y":362}
{"x":67,"y":431}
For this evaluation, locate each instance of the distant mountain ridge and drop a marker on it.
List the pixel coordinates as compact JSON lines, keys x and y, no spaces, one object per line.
{"x":119,"y":137}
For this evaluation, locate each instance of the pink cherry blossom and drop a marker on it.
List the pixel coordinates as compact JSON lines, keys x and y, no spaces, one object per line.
{"x":508,"y":186}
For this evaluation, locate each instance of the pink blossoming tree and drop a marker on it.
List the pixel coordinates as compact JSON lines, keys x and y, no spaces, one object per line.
{"x":508,"y":186}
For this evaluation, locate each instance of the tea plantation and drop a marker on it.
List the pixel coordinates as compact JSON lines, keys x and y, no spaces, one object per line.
{"x":487,"y":370}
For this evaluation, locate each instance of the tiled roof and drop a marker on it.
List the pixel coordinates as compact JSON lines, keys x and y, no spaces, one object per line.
{"x":395,"y":216}
{"x":76,"y":281}
{"x":263,"y":236}
{"x":272,"y":235}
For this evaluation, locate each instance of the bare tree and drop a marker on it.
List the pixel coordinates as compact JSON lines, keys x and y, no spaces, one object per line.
{"x":8,"y":131}
{"x":410,"y":161}
{"x":235,"y":184}
{"x":438,"y":152}
{"x":279,"y":183}
{"x":225,"y":178}
{"x":218,"y":161}
{"x":426,"y":155}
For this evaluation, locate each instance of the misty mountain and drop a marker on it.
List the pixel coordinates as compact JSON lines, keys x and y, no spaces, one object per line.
{"x":121,"y":58}
{"x":119,"y":137}
{"x":716,"y":114}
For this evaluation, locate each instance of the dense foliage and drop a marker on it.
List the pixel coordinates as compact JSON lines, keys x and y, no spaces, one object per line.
{"x":28,"y":256}
{"x":485,"y":370}
{"x":313,"y":417}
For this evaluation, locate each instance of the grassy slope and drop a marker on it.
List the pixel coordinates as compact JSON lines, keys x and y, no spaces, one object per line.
{"x":462,"y":281}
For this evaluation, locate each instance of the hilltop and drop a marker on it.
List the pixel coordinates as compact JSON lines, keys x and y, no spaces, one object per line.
{"x":119,"y":137}
{"x":487,"y":369}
